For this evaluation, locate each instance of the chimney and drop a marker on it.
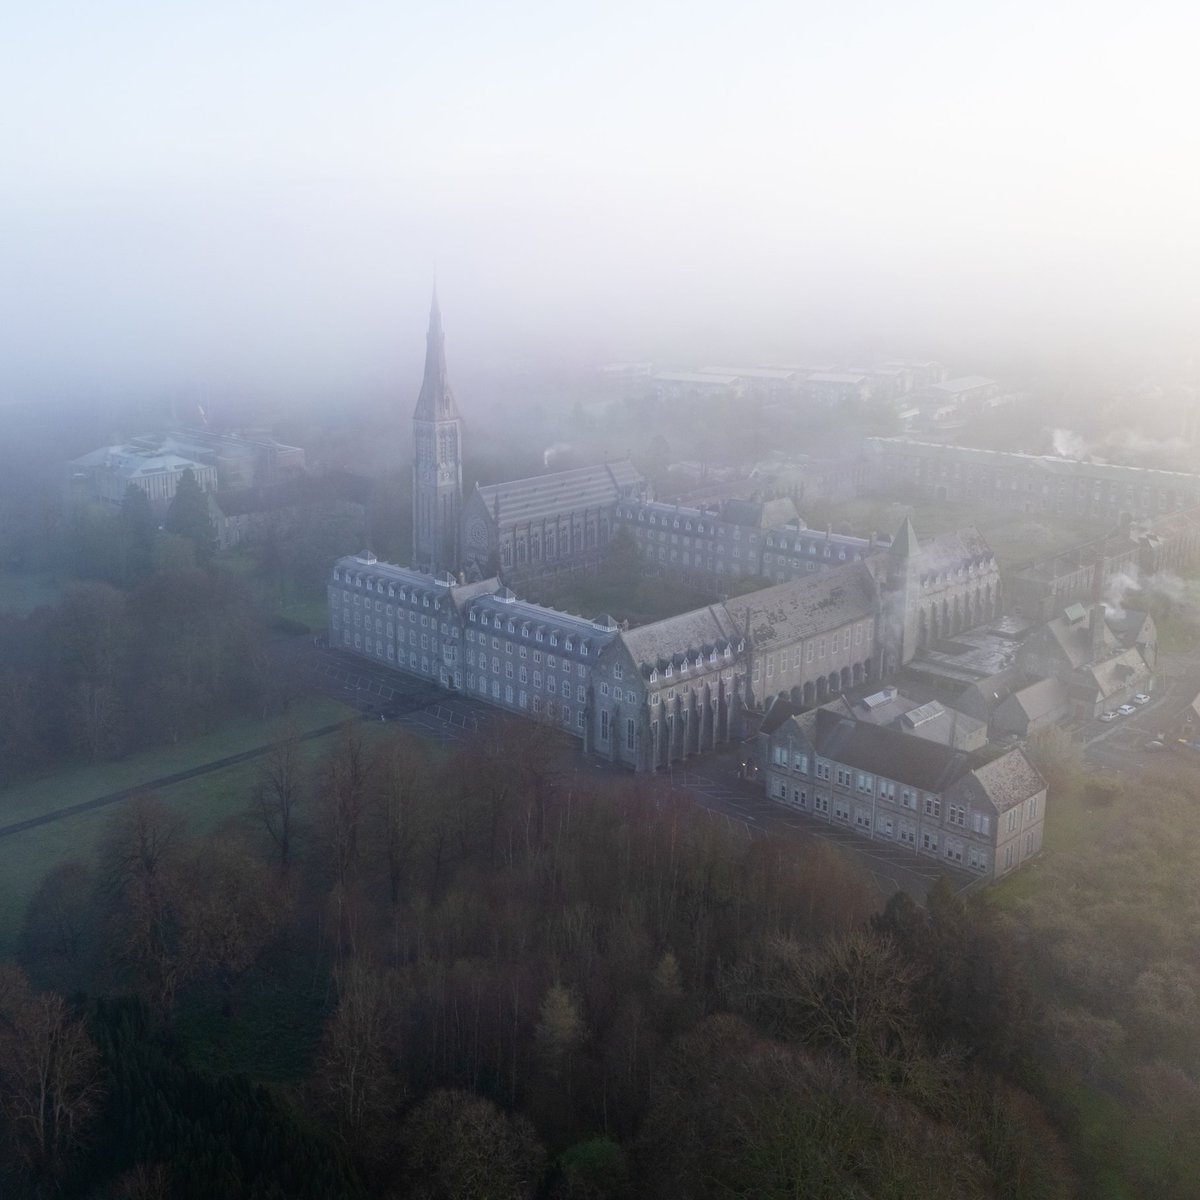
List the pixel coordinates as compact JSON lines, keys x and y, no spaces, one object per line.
{"x":1096,"y":630}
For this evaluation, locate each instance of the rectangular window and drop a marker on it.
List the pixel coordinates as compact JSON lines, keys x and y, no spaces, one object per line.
{"x":1031,"y":808}
{"x":630,"y":732}
{"x":933,"y":806}
{"x":800,"y":762}
{"x":780,"y":756}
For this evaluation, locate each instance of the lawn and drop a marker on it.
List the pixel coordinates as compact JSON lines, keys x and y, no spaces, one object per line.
{"x":21,"y":593}
{"x":205,"y":802}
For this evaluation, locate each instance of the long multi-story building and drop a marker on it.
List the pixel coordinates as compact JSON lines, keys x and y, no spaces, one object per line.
{"x":983,"y":810}
{"x":1031,"y":483}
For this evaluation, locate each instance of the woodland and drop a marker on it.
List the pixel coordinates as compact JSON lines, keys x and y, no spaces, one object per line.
{"x":410,"y":975}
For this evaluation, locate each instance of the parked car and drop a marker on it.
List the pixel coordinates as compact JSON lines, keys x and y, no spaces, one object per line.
{"x":1125,"y":710}
{"x":1141,"y":698}
{"x":1108,"y":716}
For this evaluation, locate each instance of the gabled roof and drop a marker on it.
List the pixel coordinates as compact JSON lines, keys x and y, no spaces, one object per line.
{"x":544,"y":496}
{"x":1043,"y":699}
{"x":930,"y":766}
{"x":1006,"y":781}
{"x":759,"y":514}
{"x":779,"y":615}
{"x":1113,"y":675}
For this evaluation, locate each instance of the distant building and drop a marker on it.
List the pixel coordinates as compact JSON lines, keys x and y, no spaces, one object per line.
{"x":983,"y":811}
{"x":1028,"y":482}
{"x":830,"y":388}
{"x":677,"y":385}
{"x":101,"y":476}
{"x":155,"y":462}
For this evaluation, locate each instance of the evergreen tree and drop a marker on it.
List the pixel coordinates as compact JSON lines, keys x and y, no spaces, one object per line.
{"x":136,"y":528}
{"x":188,"y":517}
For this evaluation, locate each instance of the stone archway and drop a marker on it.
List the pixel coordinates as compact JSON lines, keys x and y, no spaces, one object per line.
{"x":822,"y":688}
{"x":845,"y":680}
{"x":858,"y":673}
{"x":809,"y":695}
{"x":833,"y":683}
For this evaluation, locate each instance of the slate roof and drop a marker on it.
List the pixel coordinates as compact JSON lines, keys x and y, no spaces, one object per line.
{"x":547,"y":496}
{"x":1046,"y":698}
{"x":930,"y":766}
{"x":949,"y":551}
{"x":787,"y":612}
{"x":1006,"y":781}
{"x":1051,"y":464}
{"x":1074,"y":639}
{"x":774,"y":616}
{"x":1114,"y":675}
{"x":759,"y":514}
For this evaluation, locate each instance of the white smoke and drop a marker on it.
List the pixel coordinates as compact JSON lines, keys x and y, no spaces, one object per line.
{"x":1068,"y":444}
{"x":551,"y":453}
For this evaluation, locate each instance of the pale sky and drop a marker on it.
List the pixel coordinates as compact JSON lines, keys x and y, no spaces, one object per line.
{"x":210,"y":194}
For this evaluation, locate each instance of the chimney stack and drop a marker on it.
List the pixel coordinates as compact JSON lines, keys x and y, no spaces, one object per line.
{"x":1096,"y":630}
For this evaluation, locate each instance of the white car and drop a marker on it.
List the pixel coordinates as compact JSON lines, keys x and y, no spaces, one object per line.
{"x":1108,"y":716}
{"x":1141,"y":698}
{"x":1125,"y":710}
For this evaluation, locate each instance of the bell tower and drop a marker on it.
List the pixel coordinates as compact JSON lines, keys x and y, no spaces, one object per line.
{"x":437,"y":460}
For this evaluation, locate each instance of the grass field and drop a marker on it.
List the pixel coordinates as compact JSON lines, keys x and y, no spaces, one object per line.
{"x":23,"y":593}
{"x":206,"y":802}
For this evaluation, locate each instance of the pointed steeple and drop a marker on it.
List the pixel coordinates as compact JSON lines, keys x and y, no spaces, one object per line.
{"x":905,"y":544}
{"x":436,"y":401}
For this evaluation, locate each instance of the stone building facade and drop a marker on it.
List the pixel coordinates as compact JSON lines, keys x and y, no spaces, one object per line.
{"x":983,"y":811}
{"x":1028,"y":482}
{"x":547,"y":523}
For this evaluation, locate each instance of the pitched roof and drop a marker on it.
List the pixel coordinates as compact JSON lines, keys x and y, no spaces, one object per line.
{"x":1006,"y":781}
{"x":1045,"y":698}
{"x":930,"y":766}
{"x":1114,"y":675}
{"x":759,"y":514}
{"x":779,"y":615}
{"x":545,"y":496}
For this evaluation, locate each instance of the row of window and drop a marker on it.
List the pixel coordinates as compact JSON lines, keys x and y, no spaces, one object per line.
{"x":522,"y":629}
{"x":887,"y":790}
{"x":885,"y":825}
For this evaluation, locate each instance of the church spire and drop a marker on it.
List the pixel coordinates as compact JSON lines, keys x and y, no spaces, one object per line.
{"x":436,"y":401}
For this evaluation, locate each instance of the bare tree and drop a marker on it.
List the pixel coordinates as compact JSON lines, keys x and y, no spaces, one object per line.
{"x":139,"y":859}
{"x":279,"y":791}
{"x":357,"y":1081}
{"x":50,"y":1082}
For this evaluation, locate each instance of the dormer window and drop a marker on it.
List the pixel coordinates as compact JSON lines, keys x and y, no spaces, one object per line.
{"x":337,"y":574}
{"x":583,"y":649}
{"x":683,"y":666}
{"x":653,"y":676}
{"x":568,"y":645}
{"x":539,"y":636}
{"x":667,"y":672}
{"x":472,"y":616}
{"x":554,"y":639}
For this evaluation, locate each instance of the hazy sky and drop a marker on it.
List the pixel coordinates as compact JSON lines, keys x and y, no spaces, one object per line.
{"x":210,"y":194}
